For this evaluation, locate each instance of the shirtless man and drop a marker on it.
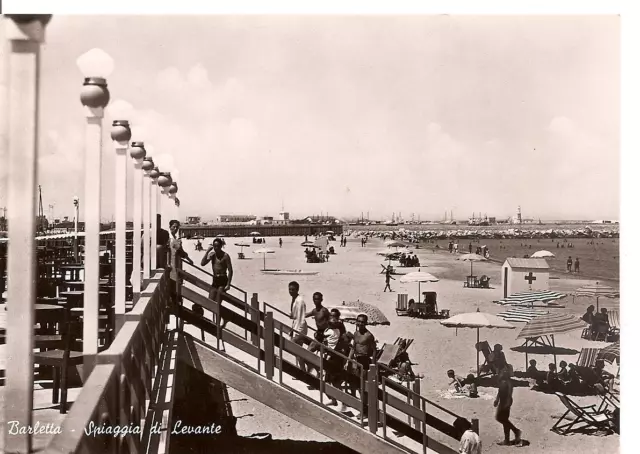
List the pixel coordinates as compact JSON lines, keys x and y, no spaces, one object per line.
{"x":321,"y":315}
{"x":222,"y":271}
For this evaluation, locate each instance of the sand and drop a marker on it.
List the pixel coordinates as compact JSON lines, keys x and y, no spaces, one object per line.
{"x":354,"y":274}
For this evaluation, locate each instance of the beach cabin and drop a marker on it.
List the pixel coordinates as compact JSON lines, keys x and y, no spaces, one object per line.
{"x":520,"y":275}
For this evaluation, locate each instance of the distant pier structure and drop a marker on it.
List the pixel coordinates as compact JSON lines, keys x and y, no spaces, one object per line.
{"x":230,"y":230}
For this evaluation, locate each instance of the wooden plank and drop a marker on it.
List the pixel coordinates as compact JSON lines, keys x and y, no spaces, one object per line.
{"x":268,"y":345}
{"x":372,"y":384}
{"x":405,"y":408}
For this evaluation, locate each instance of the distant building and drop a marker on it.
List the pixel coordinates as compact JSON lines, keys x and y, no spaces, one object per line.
{"x":235,"y":218}
{"x":320,"y":219}
{"x":520,"y":275}
{"x":193,"y":219}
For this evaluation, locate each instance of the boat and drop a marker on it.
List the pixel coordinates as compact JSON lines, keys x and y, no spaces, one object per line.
{"x":291,"y":272}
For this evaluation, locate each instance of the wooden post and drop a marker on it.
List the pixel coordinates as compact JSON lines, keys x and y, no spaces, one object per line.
{"x":416,"y":401}
{"x":372,"y":389}
{"x":22,"y":110}
{"x":153,"y":250}
{"x":475,"y":425}
{"x":255,"y":318}
{"x":268,"y":345}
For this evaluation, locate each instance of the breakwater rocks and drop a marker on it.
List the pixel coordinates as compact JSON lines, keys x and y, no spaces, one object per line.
{"x":498,"y":233}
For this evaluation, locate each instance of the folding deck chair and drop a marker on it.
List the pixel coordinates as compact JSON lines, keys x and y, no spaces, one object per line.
{"x":586,"y":417}
{"x":485,"y":348}
{"x":587,"y":357}
{"x":402,"y":306}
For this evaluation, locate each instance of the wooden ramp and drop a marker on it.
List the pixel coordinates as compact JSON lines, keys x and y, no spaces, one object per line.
{"x":206,"y":359}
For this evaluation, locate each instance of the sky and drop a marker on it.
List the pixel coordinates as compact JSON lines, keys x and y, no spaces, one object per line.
{"x":349,"y":114}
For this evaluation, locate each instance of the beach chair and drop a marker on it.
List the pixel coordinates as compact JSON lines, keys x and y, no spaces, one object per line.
{"x":585,"y":417}
{"x":484,"y":281}
{"x":485,"y":348}
{"x":402,"y":305}
{"x":587,"y":357}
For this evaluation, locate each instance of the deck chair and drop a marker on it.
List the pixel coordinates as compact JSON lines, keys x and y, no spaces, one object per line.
{"x":402,"y":306}
{"x":586,"y":417}
{"x":587,"y":357}
{"x":485,"y":348}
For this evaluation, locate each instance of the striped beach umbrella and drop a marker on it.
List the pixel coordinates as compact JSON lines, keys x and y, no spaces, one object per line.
{"x":529,"y":297}
{"x":598,"y":290}
{"x":521,"y":314}
{"x":349,"y":311}
{"x":550,"y":325}
{"x":611,"y":353}
{"x":419,"y":277}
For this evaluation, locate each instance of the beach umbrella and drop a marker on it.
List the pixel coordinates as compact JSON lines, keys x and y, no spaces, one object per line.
{"x":521,"y":314}
{"x":471,"y":258}
{"x":610,"y":353}
{"x":476,"y":320}
{"x":548,"y":326}
{"x":542,"y":254}
{"x":330,"y":232}
{"x":242,"y":245}
{"x":350,"y":311}
{"x":264,"y":251}
{"x":307,"y":244}
{"x":419,"y":277}
{"x":529,"y":297}
{"x":254,"y":233}
{"x":219,"y":235}
{"x":395,"y":243}
{"x":598,"y":291}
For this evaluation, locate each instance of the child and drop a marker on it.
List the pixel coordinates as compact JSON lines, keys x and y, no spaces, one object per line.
{"x":470,"y":386}
{"x":563,"y":374}
{"x":457,"y":382}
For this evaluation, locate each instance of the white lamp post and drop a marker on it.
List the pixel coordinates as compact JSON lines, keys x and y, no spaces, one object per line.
{"x":76,"y":214}
{"x":147,"y":166}
{"x":173,"y":190}
{"x":137,"y":153}
{"x":154,"y":174}
{"x":121,"y":134}
{"x":25,"y":33}
{"x":95,"y":65}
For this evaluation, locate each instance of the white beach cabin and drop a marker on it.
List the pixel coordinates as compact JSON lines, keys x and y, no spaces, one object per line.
{"x":520,"y":275}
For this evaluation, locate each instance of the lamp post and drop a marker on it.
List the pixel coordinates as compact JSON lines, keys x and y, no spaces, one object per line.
{"x":25,"y":34}
{"x":147,"y":166}
{"x":154,"y":174}
{"x":137,"y":153}
{"x":173,"y":190}
{"x":76,"y":213}
{"x":95,"y":65}
{"x":121,"y":134}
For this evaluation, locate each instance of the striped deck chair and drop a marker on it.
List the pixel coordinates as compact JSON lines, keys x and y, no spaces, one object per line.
{"x":402,"y":306}
{"x":587,"y":357}
{"x":614,"y":321}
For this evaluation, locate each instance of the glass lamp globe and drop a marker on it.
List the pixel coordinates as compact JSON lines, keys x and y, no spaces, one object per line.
{"x":95,"y":63}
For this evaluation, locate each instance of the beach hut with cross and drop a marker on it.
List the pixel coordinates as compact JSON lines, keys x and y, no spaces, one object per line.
{"x":521,"y":275}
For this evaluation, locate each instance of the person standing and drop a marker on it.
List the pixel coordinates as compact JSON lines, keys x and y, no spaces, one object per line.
{"x":222,"y":271}
{"x":503,"y":403}
{"x":364,"y":345}
{"x":280,"y":241}
{"x":576,"y":265}
{"x":388,"y":277}
{"x":321,"y":315}
{"x":470,"y":441}
{"x":569,"y":264}
{"x":299,"y":324}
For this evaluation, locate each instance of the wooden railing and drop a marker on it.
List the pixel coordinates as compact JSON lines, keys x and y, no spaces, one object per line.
{"x":118,"y":391}
{"x":375,"y":389}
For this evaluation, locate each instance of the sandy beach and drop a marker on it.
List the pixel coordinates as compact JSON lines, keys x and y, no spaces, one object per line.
{"x":353,"y":274}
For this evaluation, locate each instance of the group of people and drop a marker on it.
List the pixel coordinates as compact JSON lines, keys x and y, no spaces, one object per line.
{"x":359,"y":346}
{"x":576,"y":265}
{"x":315,"y":257}
{"x":598,"y":322}
{"x":409,"y":260}
{"x":343,"y":241}
{"x":571,"y":379}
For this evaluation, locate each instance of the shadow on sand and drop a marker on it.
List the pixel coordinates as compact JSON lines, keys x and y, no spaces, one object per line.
{"x":264,"y":444}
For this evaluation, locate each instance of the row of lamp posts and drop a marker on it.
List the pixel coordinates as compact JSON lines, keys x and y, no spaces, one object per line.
{"x":25,"y":34}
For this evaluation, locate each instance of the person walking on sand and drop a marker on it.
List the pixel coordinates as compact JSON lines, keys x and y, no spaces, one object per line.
{"x":280,"y":241}
{"x":503,"y":403}
{"x":388,"y":277}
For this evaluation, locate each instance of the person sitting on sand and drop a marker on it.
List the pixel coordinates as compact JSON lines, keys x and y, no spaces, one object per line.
{"x":533,"y":372}
{"x":563,"y":373}
{"x":605,"y":379}
{"x":553,"y":383}
{"x":457,"y":382}
{"x":470,"y":387}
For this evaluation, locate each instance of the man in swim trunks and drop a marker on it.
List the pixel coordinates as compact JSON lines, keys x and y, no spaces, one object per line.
{"x":222,"y":271}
